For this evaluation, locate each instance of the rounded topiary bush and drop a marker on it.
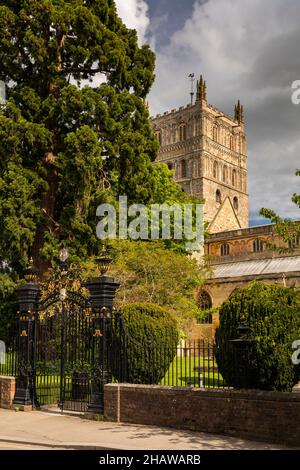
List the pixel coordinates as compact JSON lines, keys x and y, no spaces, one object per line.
{"x":145,"y":343}
{"x":272,"y":314}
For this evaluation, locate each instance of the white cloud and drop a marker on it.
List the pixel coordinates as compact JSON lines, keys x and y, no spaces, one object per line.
{"x":249,"y":50}
{"x":134,"y":13}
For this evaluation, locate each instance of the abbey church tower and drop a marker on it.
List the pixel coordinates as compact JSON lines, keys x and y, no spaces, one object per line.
{"x":207,"y":151}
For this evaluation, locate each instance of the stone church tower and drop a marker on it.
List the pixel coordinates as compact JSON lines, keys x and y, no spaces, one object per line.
{"x":206,"y":149}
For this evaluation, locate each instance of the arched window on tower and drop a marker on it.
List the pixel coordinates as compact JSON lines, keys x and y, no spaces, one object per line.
{"x":215,"y":133}
{"x":205,"y":303}
{"x":216,"y":170}
{"x":182,"y":132}
{"x":233,"y":178}
{"x":218,"y":196}
{"x":173,"y":134}
{"x":235,"y":203}
{"x":258,"y":246}
{"x":167,"y":135}
{"x":159,"y":137}
{"x":195,"y":169}
{"x":170,"y":165}
{"x":225,"y":249}
{"x":225,"y":174}
{"x":183,"y":169}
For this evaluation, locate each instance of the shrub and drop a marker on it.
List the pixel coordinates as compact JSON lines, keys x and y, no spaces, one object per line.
{"x":146,"y":338}
{"x":272,"y":314}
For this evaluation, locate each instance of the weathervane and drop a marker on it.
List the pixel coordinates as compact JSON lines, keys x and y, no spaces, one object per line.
{"x":192,"y":78}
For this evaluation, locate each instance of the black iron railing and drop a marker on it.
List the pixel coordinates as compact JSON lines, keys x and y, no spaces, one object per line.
{"x":191,"y":363}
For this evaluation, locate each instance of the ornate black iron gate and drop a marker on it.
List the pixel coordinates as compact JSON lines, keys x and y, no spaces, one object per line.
{"x":63,"y":352}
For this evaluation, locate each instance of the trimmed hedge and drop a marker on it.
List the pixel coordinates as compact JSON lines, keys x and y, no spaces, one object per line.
{"x":272,"y":313}
{"x":145,"y":343}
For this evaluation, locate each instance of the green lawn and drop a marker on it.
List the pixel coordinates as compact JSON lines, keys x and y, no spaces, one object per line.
{"x":185,"y":371}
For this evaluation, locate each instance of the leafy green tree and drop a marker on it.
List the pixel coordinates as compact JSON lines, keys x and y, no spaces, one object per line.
{"x":271,"y":313}
{"x":288,"y":230}
{"x":149,"y":272}
{"x":167,"y":192}
{"x":67,"y":144}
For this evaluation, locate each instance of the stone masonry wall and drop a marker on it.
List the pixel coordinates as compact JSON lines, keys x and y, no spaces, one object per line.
{"x":266,"y":416}
{"x":7,"y":391}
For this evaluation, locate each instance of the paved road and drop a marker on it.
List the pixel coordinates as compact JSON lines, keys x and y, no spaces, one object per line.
{"x":43,"y":429}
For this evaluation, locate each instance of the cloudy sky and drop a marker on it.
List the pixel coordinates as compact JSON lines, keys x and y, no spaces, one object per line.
{"x":246,"y":49}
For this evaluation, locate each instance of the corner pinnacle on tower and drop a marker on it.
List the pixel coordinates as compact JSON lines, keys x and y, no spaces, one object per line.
{"x":239,"y":113}
{"x":201,"y":90}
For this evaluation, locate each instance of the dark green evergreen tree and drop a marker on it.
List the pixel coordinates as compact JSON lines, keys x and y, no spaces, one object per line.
{"x":271,"y":314}
{"x":66,"y":143}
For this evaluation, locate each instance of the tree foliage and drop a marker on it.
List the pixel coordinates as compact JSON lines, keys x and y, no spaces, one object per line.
{"x":66,"y":143}
{"x":145,"y":342}
{"x":272,"y":314}
{"x":149,"y":272}
{"x":8,"y":308}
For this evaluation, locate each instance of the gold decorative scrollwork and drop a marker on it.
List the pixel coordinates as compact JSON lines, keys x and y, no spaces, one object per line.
{"x":97,"y":334}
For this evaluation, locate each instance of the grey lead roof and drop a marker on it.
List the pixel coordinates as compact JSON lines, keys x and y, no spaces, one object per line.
{"x":256,"y":267}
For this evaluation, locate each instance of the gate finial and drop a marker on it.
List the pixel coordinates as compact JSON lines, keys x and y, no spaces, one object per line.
{"x":104,"y":261}
{"x":31,"y":272}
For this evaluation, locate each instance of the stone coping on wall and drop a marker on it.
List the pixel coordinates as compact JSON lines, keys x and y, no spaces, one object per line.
{"x":217,"y":393}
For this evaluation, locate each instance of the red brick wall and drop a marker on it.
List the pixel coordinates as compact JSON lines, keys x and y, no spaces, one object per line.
{"x":7,"y":391}
{"x":257,"y":415}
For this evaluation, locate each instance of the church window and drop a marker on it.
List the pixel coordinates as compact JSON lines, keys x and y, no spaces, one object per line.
{"x":182,"y":133}
{"x":159,"y":137}
{"x":215,"y":133}
{"x":225,"y":174}
{"x":195,"y":169}
{"x":258,"y":246}
{"x":183,"y":168}
{"x":218,"y":196}
{"x":225,"y":249}
{"x":236,"y":203}
{"x":216,"y":170}
{"x":205,"y":303}
{"x":233,"y":178}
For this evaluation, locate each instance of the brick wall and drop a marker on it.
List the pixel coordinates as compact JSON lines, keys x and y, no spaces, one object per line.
{"x":266,"y":416}
{"x":7,"y":391}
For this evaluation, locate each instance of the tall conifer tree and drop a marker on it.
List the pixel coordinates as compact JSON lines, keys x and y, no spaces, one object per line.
{"x":66,"y":143}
